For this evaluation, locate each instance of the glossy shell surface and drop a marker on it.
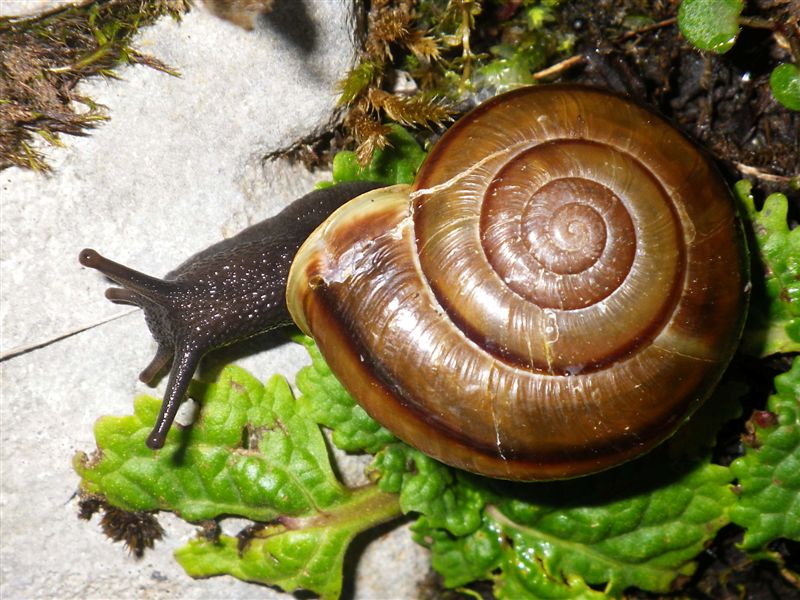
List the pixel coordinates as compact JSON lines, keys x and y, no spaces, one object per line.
{"x":559,"y":290}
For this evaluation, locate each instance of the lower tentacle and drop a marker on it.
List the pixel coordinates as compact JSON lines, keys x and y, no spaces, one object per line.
{"x":183,"y":367}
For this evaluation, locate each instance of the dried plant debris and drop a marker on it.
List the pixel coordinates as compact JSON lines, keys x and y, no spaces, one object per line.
{"x":239,"y":12}
{"x":138,"y":530}
{"x":43,"y":58}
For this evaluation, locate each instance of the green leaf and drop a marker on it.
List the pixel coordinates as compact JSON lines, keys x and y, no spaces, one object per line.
{"x":293,"y":553}
{"x":539,"y":16}
{"x":640,"y":525}
{"x":785,"y":84}
{"x":353,"y":430}
{"x":769,"y":472}
{"x":488,"y":551}
{"x":773,"y":323}
{"x":462,"y":559}
{"x":398,"y":163}
{"x":253,"y":452}
{"x":449,"y":498}
{"x":647,"y":539}
{"x":710,"y":24}
{"x":249,"y":453}
{"x":514,"y":64}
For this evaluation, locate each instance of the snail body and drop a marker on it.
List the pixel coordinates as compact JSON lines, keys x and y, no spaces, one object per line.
{"x":228,"y":292}
{"x":560,"y":288}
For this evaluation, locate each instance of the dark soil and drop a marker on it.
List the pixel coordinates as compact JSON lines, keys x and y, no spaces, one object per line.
{"x":722,"y":101}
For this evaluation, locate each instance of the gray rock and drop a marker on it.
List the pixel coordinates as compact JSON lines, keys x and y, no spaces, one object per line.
{"x":177,"y":168}
{"x":27,"y":8}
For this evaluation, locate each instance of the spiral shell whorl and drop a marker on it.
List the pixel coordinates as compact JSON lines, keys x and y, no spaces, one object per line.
{"x":623,"y":262}
{"x":518,"y":312}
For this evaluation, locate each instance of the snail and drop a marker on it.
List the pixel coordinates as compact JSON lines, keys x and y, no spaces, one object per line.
{"x":556,"y":293}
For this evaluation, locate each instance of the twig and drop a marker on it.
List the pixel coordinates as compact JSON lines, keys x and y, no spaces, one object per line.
{"x":756,"y":23}
{"x":790,"y":576}
{"x":759,"y":174}
{"x":559,"y":67}
{"x":18,"y":350}
{"x":665,"y":23}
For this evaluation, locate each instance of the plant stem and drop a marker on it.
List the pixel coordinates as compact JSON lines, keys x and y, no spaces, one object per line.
{"x":756,"y":23}
{"x":367,"y":507}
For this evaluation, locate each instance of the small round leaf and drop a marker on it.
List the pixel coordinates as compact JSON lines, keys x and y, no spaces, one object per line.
{"x":785,"y":84}
{"x":710,"y":24}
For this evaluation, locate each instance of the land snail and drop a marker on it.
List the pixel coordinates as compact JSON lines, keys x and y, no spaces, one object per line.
{"x":560,"y":288}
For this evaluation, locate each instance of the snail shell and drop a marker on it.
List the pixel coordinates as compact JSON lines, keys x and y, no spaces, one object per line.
{"x":558,"y":291}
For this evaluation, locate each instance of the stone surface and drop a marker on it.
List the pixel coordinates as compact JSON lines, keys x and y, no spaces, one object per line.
{"x":25,"y":8}
{"x":177,"y":168}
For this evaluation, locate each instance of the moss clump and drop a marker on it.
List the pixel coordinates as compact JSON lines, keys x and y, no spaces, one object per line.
{"x":43,"y":58}
{"x":447,"y":52}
